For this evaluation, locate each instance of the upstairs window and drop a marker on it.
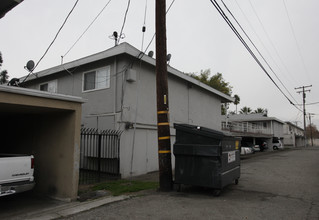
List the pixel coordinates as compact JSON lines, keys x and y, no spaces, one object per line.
{"x":96,"y":79}
{"x":49,"y":86}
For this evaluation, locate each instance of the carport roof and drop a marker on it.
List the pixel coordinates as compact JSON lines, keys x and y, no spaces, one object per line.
{"x":253,"y":117}
{"x":41,"y":94}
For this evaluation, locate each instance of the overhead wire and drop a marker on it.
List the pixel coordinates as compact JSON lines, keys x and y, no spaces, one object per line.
{"x":137,"y":57}
{"x":313,"y":103}
{"x":144,"y":25}
{"x":290,"y":76}
{"x":96,"y":17}
{"x":268,"y":37}
{"x":224,"y":16}
{"x":153,"y":37}
{"x":296,"y":41}
{"x":257,"y":50}
{"x":55,"y":37}
{"x":124,"y":21}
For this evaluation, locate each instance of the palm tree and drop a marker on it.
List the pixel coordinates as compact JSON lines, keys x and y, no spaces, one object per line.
{"x":3,"y":74}
{"x":4,"y":77}
{"x":245,"y":110}
{"x":237,"y":101}
{"x":261,"y":111}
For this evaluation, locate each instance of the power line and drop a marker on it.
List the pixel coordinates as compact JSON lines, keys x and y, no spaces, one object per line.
{"x":267,"y":35}
{"x":124,"y":21}
{"x":96,"y":17}
{"x":265,"y":48}
{"x":53,"y":39}
{"x":314,"y":103}
{"x":144,"y":25}
{"x":295,"y":38}
{"x":138,"y":57}
{"x":149,"y":44}
{"x":257,"y":50}
{"x":221,"y":12}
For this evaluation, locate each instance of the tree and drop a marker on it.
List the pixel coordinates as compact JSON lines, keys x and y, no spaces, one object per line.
{"x":232,"y":113}
{"x":312,"y":131}
{"x":245,"y":110}
{"x":237,"y":101}
{"x":4,"y":73}
{"x":261,"y":111}
{"x":216,"y":81}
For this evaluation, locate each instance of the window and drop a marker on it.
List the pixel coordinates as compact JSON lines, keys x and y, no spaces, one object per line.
{"x":49,"y":86}
{"x":96,"y":79}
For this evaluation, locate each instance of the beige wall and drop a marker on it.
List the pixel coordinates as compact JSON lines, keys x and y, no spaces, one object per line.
{"x":48,"y":128}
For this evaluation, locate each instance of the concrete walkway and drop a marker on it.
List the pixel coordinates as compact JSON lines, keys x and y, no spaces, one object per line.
{"x":69,"y":208}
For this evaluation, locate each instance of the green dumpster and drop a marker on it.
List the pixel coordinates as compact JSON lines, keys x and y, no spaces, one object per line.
{"x":205,"y":157}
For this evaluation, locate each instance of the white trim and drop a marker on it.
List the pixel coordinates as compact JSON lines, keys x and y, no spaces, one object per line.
{"x":37,"y":93}
{"x":108,"y":76}
{"x":50,"y":82}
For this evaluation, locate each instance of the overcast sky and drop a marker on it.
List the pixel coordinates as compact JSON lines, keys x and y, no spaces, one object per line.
{"x":197,"y":37}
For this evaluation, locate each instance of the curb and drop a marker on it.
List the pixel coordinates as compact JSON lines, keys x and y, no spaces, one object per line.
{"x":74,"y":208}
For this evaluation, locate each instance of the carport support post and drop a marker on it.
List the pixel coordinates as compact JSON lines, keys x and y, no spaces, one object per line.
{"x":163,"y":128}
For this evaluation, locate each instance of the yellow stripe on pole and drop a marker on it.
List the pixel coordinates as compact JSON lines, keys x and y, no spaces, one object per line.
{"x":162,"y":112}
{"x":164,"y":138}
{"x":164,"y":151}
{"x":163,"y":123}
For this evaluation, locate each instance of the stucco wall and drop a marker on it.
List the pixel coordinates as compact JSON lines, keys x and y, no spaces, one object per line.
{"x":278,"y":130}
{"x":49,"y":129}
{"x":135,"y":102}
{"x":188,"y":104}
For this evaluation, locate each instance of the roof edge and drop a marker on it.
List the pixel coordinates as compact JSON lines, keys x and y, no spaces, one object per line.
{"x":125,"y":48}
{"x":41,"y":94}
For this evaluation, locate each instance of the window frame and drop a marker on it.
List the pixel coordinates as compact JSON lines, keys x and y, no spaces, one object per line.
{"x":52,"y":82}
{"x":108,"y":76}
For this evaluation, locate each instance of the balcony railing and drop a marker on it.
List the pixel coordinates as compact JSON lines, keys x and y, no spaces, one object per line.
{"x":245,"y":127}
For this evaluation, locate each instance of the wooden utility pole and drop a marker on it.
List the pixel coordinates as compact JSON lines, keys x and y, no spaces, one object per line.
{"x":304,"y":109}
{"x":163,"y":128}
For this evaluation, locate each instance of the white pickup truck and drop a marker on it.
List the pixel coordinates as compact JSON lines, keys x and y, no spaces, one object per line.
{"x":16,"y":173}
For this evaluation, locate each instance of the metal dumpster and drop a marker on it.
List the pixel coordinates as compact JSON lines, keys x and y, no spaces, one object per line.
{"x":205,"y":157}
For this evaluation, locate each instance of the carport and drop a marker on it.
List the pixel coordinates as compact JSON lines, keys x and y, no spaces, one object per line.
{"x":47,"y":126}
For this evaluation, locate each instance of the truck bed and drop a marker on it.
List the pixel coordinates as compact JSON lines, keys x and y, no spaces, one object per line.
{"x":16,"y":168}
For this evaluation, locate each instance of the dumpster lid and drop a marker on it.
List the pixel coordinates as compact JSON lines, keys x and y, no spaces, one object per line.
{"x":199,"y":130}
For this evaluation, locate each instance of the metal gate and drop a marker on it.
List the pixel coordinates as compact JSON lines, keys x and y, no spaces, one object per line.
{"x":99,"y":156}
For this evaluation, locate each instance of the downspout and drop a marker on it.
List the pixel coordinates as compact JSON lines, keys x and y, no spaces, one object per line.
{"x":115,"y":92}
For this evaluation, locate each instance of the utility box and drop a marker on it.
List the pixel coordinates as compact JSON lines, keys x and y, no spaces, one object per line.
{"x":205,"y":157}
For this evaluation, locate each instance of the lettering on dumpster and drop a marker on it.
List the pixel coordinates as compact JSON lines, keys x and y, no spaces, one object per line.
{"x":231,"y":156}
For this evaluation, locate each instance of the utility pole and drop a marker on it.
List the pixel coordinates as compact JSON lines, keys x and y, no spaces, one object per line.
{"x":310,"y":114}
{"x":163,"y":127}
{"x":304,"y":109}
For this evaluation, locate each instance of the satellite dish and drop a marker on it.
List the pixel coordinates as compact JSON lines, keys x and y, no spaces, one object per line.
{"x":150,"y":54}
{"x":30,"y":65}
